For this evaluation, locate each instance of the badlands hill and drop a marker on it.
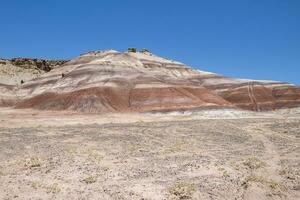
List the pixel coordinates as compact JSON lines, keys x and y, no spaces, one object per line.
{"x":111,"y":81}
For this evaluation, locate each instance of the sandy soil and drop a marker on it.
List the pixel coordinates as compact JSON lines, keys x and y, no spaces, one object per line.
{"x":204,"y":155}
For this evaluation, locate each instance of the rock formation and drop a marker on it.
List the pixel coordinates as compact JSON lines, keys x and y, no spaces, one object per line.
{"x":111,"y":81}
{"x":12,"y":71}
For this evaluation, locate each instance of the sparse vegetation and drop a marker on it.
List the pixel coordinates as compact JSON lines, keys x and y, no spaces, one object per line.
{"x":144,"y":50}
{"x":260,"y":179}
{"x":254,"y":163}
{"x":273,"y":184}
{"x":133,"y":50}
{"x":191,"y":159}
{"x":256,"y":179}
{"x":89,"y":153}
{"x":178,"y":145}
{"x":90,"y":179}
{"x":221,"y":169}
{"x":54,"y":188}
{"x":289,"y":174}
{"x":36,"y":184}
{"x":33,"y":162}
{"x":183,"y":190}
{"x":235,"y":166}
{"x":224,"y":172}
{"x":94,"y":155}
{"x":134,"y":147}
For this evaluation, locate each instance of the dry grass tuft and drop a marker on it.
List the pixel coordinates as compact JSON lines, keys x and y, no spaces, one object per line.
{"x":182,"y":190}
{"x":33,"y":162}
{"x":54,"y":188}
{"x":254,"y":163}
{"x":90,"y":179}
{"x":36,"y":184}
{"x":259,"y":179}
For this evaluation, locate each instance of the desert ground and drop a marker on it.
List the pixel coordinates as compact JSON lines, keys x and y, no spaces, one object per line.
{"x":202,"y":155}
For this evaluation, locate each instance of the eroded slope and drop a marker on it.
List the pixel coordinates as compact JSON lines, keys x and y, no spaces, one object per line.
{"x":111,"y":81}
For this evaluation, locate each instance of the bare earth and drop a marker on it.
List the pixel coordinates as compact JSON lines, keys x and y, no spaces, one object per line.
{"x":205,"y":155}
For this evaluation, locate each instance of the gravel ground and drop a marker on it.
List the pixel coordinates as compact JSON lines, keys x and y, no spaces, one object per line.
{"x":247,"y":158}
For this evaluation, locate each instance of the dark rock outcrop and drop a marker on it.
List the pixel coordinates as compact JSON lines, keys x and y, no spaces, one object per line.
{"x":42,"y":64}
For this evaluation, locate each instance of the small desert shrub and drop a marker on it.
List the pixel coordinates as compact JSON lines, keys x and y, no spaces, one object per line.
{"x":273,"y":185}
{"x":35,"y":184}
{"x":182,"y":190}
{"x":251,"y":179}
{"x":254,"y":163}
{"x":1,"y":173}
{"x":33,"y":162}
{"x":259,"y":179}
{"x":53,"y":189}
{"x":94,"y":155}
{"x":90,"y":179}
{"x":133,"y":50}
{"x":145,"y":51}
{"x":134,"y":147}
{"x":225,"y":174}
{"x":177,"y":146}
{"x":256,"y":179}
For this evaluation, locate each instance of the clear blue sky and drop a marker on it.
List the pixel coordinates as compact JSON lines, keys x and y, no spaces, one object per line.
{"x":257,"y":39}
